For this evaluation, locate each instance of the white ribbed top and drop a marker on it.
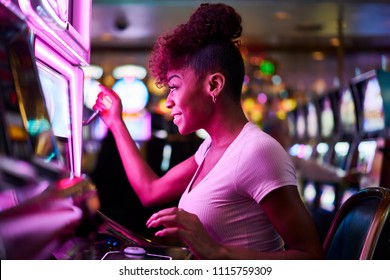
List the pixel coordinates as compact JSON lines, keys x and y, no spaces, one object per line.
{"x":227,"y":199}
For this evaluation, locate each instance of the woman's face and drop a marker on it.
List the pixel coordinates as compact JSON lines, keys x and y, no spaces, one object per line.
{"x":189,"y":100}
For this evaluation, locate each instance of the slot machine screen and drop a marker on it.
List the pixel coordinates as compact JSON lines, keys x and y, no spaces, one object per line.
{"x":55,"y":88}
{"x":309,"y":194}
{"x":373,"y":113}
{"x":322,"y":150}
{"x":341,"y":150}
{"x":348,"y":112}
{"x":312,"y":120}
{"x":301,"y":124}
{"x":56,"y":91}
{"x":328,"y":198}
{"x":327,"y":118}
{"x":26,"y":119}
{"x":366,"y":154}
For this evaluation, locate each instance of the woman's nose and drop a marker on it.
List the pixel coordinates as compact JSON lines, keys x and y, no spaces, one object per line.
{"x":169,"y":103}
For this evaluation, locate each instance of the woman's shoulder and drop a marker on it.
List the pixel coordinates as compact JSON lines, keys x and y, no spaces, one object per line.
{"x":253,"y":135}
{"x":255,"y":144}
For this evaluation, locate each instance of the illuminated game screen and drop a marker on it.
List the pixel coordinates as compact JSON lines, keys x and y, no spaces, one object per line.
{"x":341,"y":150}
{"x":56,"y":91}
{"x":366,"y":155}
{"x":322,"y":150}
{"x":327,"y":118}
{"x":373,"y":113}
{"x":348,"y":112}
{"x":312,"y":121}
{"x":328,"y":198}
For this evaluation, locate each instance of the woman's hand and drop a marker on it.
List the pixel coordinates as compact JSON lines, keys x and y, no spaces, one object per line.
{"x":186,"y":226}
{"x":110,"y":106}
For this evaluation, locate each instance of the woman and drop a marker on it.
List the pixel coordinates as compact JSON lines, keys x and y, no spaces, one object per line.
{"x":239,"y":197}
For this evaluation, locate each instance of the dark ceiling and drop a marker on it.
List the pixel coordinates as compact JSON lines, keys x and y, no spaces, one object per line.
{"x":287,"y":30}
{"x":267,"y":24}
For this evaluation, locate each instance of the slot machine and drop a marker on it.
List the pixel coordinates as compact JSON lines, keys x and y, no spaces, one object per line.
{"x":42,"y":202}
{"x":328,"y":127}
{"x":361,"y":146}
{"x":48,"y":208}
{"x":373,"y":90}
{"x":60,"y":32}
{"x":341,"y":157}
{"x":322,"y":119}
{"x":344,"y":144}
{"x":312,"y":126}
{"x":292,"y":128}
{"x":298,"y":126}
{"x":305,"y":151}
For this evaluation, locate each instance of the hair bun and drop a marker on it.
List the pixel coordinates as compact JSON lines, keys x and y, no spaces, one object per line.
{"x":211,"y":22}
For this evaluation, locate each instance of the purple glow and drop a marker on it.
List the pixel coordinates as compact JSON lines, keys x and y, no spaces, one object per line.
{"x":76,"y":46}
{"x":82,"y":18}
{"x":262,"y":98}
{"x":246,"y":80}
{"x":301,"y":151}
{"x":64,"y":46}
{"x":75,"y":77}
{"x":38,"y":229}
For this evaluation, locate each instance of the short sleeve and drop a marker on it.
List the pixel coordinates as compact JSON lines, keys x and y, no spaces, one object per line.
{"x":264,"y":167}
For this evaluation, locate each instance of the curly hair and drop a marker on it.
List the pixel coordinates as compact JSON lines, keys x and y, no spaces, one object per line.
{"x":207,"y":42}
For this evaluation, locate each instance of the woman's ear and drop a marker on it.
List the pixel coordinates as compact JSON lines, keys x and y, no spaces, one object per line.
{"x":216,"y":84}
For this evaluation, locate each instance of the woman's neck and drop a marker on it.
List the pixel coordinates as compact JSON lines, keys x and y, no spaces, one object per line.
{"x":225,"y":129}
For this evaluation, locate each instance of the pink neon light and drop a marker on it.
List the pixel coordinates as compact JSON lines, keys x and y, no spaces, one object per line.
{"x":76,"y":85}
{"x":43,"y":29}
{"x":82,"y":18}
{"x":26,"y":8}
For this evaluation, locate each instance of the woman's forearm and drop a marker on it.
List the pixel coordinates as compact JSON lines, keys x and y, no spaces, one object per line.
{"x":138,"y":172}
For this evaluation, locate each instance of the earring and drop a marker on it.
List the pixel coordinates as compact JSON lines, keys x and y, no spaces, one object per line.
{"x":214,"y":98}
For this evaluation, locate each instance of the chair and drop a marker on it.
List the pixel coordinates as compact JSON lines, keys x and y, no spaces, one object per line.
{"x":361,"y":227}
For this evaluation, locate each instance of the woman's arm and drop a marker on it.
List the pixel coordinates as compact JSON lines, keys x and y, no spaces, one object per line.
{"x":151,"y":189}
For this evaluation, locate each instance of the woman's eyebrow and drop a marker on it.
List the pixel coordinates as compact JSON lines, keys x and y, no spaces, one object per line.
{"x":173,"y":76}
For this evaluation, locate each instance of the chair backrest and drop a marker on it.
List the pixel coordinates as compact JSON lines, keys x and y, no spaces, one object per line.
{"x":361,"y":227}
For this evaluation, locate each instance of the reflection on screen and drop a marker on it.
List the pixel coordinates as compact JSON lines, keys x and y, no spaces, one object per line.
{"x":373,"y":115}
{"x":347,"y":112}
{"x":309,"y":194}
{"x":312,"y":121}
{"x":341,"y":150}
{"x":327,"y":119}
{"x":366,"y":155}
{"x":55,"y":89}
{"x":328,"y":197}
{"x":322,"y":149}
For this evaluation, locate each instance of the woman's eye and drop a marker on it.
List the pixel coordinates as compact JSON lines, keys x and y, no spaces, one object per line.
{"x":172,"y":88}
